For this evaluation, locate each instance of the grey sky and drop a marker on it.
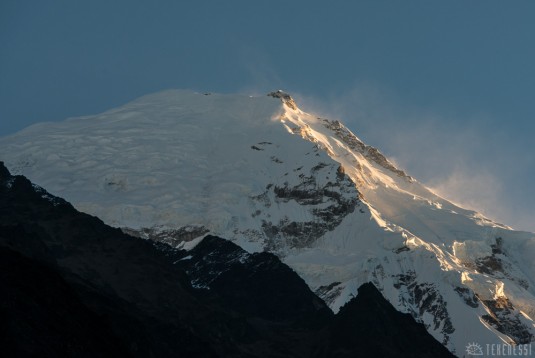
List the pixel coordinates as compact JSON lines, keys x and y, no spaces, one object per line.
{"x":444,"y":87}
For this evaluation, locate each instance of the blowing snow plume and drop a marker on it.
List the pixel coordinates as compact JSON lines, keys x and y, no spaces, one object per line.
{"x":464,"y":160}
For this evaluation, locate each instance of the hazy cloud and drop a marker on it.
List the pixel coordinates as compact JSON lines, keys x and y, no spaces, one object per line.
{"x":476,"y":191}
{"x":263,"y":76}
{"x":464,"y":157}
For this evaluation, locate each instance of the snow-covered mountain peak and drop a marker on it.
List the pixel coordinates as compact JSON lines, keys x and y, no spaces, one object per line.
{"x":177,"y":165}
{"x":321,"y":130}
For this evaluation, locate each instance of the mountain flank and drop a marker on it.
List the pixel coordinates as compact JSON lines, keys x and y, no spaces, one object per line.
{"x":72,"y":286}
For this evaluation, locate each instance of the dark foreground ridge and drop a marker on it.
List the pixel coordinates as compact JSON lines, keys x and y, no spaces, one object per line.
{"x":73,"y":287}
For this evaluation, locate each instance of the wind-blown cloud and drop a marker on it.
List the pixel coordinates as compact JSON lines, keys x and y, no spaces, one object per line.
{"x":464,"y":157}
{"x":477,"y":191}
{"x":263,"y":76}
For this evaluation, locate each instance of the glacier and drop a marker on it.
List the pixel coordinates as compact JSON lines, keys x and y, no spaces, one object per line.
{"x":177,"y":165}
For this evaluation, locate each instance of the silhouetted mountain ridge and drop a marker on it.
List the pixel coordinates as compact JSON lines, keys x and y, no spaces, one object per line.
{"x":72,"y":286}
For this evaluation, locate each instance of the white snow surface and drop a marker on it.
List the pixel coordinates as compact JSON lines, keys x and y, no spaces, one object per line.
{"x":180,"y":159}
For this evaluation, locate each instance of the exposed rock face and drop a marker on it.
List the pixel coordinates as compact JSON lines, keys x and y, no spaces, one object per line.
{"x":327,"y":204}
{"x":285,"y":97}
{"x":329,"y":293}
{"x":468,"y":296}
{"x":507,"y":319}
{"x":499,"y":265}
{"x":173,"y":238}
{"x":356,"y":144}
{"x":424,"y":299}
{"x":502,"y":314}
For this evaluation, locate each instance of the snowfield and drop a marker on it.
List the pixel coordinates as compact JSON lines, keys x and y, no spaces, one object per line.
{"x":177,"y":165}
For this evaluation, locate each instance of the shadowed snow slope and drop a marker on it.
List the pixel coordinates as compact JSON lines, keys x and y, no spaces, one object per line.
{"x":177,"y":165}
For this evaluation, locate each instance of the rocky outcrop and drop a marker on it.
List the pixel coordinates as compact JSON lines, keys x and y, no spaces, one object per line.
{"x":285,"y":97}
{"x":171,"y":237}
{"x":329,"y":293}
{"x":369,"y":152}
{"x":425,"y":298}
{"x":468,"y":296}
{"x":327,"y":203}
{"x":505,"y":318}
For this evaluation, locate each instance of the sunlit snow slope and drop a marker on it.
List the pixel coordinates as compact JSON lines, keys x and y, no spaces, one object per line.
{"x":176,"y":165}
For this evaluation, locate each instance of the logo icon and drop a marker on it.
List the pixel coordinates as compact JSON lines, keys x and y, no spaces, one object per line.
{"x":474,"y":349}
